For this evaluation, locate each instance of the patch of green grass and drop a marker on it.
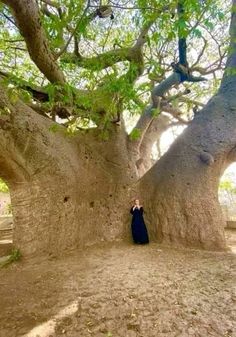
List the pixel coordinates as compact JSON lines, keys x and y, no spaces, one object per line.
{"x":15,"y":256}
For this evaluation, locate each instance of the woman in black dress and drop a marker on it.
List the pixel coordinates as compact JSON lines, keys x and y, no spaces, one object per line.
{"x":138,"y":227}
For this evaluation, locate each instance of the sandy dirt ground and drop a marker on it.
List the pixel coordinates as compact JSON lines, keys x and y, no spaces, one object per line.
{"x":121,"y":290}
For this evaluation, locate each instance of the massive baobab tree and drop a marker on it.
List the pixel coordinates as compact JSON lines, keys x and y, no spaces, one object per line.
{"x":68,"y":74}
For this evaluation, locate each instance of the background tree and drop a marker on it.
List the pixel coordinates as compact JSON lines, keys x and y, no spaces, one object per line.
{"x":71,"y":74}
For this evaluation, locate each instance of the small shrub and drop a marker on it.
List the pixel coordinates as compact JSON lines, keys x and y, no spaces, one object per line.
{"x":15,"y":256}
{"x":3,"y":187}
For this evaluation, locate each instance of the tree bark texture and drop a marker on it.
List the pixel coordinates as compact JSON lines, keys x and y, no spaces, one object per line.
{"x":182,"y":187}
{"x":66,"y":191}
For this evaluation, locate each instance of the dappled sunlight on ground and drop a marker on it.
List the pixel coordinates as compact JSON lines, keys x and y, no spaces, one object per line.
{"x":48,"y":328}
{"x":121,"y":290}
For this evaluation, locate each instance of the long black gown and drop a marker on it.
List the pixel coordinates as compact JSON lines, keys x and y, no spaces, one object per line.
{"x":138,"y":227}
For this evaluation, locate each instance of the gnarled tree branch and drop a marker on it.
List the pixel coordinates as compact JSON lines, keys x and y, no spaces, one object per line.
{"x":83,"y":21}
{"x":99,"y":62}
{"x":27,"y":16}
{"x":156,"y":96}
{"x":37,"y":93}
{"x":111,"y":57}
{"x":181,"y":74}
{"x":152,"y":135}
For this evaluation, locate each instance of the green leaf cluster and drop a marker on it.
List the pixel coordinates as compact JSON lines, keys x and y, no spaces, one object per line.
{"x":3,"y":186}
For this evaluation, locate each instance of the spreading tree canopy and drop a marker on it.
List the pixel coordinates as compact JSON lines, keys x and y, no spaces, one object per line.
{"x":87,"y":61}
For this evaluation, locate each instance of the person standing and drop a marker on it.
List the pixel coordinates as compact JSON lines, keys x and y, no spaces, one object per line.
{"x":138,"y":227}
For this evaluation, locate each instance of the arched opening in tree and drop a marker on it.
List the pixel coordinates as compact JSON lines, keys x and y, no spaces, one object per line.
{"x":227,"y":199}
{"x":6,"y":219}
{"x":162,"y":131}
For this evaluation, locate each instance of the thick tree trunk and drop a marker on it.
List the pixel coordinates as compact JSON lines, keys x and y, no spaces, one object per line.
{"x":181,"y":190}
{"x":66,"y":191}
{"x":140,"y":152}
{"x":156,"y":129}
